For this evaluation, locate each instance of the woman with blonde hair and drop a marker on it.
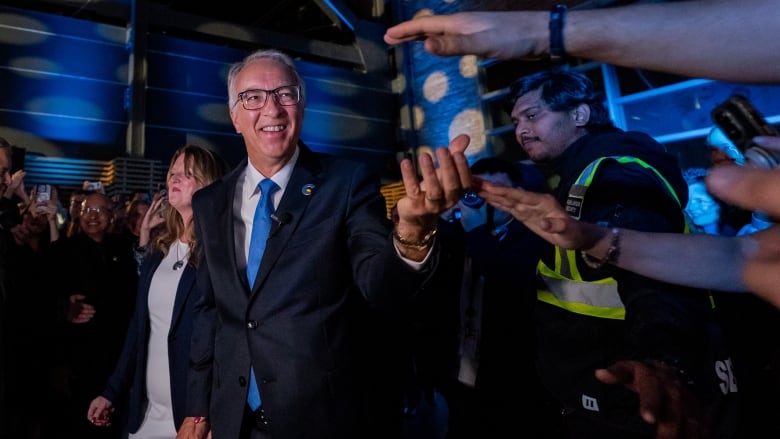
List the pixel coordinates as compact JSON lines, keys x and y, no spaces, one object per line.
{"x":153,"y":367}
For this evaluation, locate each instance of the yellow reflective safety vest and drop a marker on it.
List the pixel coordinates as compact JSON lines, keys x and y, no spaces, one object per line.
{"x":565,"y":287}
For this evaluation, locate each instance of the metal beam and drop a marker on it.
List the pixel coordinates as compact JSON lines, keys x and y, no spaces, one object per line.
{"x":338,"y":12}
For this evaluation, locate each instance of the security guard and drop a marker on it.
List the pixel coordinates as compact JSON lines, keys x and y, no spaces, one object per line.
{"x":590,"y":314}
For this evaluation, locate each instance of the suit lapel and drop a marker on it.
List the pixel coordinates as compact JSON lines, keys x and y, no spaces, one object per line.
{"x":220,"y":218}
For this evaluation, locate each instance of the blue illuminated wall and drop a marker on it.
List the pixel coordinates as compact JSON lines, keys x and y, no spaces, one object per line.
{"x":66,"y":94}
{"x":63,"y":85}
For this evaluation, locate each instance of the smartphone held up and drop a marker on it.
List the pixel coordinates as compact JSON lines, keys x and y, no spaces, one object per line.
{"x":43,"y":192}
{"x":741,"y":122}
{"x":42,"y":195}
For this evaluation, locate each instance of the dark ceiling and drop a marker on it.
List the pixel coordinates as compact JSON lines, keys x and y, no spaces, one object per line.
{"x":329,"y":30}
{"x":315,"y":19}
{"x":343,"y":32}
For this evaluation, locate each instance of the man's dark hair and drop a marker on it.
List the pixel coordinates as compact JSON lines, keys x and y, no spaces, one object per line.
{"x":563,"y":90}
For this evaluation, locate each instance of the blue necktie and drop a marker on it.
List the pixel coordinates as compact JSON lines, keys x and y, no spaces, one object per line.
{"x":260,"y":227}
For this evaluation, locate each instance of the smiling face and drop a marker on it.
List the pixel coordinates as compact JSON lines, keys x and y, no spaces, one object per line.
{"x":271,"y":133}
{"x":702,"y":208}
{"x":95,"y":215}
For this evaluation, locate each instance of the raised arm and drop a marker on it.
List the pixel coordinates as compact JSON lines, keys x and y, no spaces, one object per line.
{"x":703,"y":261}
{"x":691,"y":38}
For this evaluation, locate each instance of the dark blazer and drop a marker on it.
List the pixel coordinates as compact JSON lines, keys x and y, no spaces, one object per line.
{"x":297,"y":327}
{"x":130,"y":372}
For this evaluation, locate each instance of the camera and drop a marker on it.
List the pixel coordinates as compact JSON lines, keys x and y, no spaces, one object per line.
{"x":472,"y":200}
{"x":740,"y":122}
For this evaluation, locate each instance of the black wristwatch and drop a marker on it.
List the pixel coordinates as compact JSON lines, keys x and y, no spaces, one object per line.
{"x":557,"y":16}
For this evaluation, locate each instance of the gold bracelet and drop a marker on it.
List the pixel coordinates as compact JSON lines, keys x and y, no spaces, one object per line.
{"x":419,"y":245}
{"x":612,"y":253}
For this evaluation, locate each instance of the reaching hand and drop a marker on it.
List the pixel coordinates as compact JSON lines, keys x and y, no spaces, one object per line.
{"x":747,"y":187}
{"x":439,"y":189}
{"x":499,"y":35}
{"x":154,"y":216}
{"x":16,"y":187}
{"x":664,"y":400}
{"x":755,"y":189}
{"x":542,"y":214}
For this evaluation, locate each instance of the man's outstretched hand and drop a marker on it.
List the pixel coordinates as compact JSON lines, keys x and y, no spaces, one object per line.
{"x":664,"y":400}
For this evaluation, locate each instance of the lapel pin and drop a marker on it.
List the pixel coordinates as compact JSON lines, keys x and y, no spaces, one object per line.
{"x":307,"y":189}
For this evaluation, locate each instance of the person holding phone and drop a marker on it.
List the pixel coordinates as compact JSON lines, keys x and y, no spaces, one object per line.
{"x":46,"y":206}
{"x":741,"y":122}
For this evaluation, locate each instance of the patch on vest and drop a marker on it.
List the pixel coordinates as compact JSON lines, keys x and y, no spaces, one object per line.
{"x":590,"y":403}
{"x":575,"y":200}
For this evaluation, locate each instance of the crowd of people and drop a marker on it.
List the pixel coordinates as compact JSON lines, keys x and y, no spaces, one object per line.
{"x":79,"y":287}
{"x":265,"y":301}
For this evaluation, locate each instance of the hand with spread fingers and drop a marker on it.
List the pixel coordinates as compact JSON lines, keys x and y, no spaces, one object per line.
{"x":543,"y":214}
{"x":664,"y":400}
{"x":439,"y":189}
{"x":500,"y":35}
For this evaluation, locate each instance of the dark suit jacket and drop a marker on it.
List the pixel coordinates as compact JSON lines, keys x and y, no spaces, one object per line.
{"x":106,"y":273}
{"x":130,"y":372}
{"x":297,"y":328}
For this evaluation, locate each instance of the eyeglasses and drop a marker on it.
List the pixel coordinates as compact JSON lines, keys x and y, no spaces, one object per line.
{"x":285,"y":95}
{"x":97,"y":210}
